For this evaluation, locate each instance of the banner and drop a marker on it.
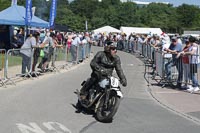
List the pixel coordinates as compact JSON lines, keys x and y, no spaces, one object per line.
{"x":14,"y":2}
{"x":86,"y":26}
{"x":52,"y":13}
{"x":28,"y":15}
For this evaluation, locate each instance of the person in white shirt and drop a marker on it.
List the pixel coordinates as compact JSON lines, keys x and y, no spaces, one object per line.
{"x":193,"y":55}
{"x":76,"y":41}
{"x":47,"y":43}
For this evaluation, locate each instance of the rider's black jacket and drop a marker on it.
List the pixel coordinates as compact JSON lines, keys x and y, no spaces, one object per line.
{"x":104,"y":64}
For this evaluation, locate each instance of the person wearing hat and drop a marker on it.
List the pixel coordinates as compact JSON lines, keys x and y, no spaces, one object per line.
{"x":102,"y":65}
{"x":174,"y":49}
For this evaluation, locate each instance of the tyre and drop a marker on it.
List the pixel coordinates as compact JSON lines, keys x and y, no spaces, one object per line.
{"x":106,"y":114}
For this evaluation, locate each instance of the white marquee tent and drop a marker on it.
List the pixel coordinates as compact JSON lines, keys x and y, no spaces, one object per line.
{"x":106,"y":29}
{"x":140,"y":30}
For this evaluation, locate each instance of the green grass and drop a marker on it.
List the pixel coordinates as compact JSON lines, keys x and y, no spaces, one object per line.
{"x":12,"y":60}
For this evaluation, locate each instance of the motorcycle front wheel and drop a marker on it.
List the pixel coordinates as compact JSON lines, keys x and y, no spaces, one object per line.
{"x":105,"y":113}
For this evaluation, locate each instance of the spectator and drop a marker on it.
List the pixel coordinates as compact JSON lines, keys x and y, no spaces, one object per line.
{"x":179,"y":38}
{"x":74,"y":47}
{"x":89,"y":43}
{"x":165,"y":39}
{"x":15,"y":40}
{"x":131,"y":40}
{"x":82,"y":48}
{"x":186,"y":66}
{"x":69,"y":43}
{"x":59,"y":37}
{"x":193,"y":60}
{"x":174,"y":49}
{"x":47,"y":43}
{"x":52,"y":50}
{"x":26,"y":52}
{"x":36,"y":53}
{"x":20,"y":37}
{"x":42,"y":36}
{"x":114,"y":40}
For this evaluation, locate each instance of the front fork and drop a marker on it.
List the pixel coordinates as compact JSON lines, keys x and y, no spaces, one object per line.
{"x":106,"y":99}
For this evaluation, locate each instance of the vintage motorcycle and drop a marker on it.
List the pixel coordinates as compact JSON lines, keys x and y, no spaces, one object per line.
{"x":103,"y":99}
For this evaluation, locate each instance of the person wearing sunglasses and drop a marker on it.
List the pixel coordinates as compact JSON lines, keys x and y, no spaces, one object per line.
{"x":102,"y":65}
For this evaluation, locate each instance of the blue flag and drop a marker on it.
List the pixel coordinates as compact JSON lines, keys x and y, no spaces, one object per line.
{"x":28,"y":15}
{"x":52,"y":13}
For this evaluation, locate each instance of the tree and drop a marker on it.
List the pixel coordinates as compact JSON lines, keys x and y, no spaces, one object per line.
{"x":117,"y":14}
{"x":126,"y":14}
{"x":84,"y":8}
{"x":188,"y":15}
{"x":42,"y":9}
{"x":4,"y":4}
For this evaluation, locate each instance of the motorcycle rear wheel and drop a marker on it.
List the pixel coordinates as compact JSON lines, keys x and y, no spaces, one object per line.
{"x":106,"y":114}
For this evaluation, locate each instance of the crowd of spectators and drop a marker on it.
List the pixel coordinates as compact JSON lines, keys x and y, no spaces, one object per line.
{"x":47,"y":41}
{"x":183,"y":53}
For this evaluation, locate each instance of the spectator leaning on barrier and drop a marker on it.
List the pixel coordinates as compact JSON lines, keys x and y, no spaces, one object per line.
{"x":174,"y":49}
{"x":36,"y":53}
{"x":194,"y":61}
{"x":26,"y":52}
{"x":186,"y":66}
{"x":47,"y":43}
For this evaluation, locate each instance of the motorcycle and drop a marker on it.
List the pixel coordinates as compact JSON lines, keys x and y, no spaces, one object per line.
{"x":103,"y":99}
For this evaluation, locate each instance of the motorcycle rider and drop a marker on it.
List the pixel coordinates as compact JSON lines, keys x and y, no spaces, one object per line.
{"x":103,"y":64}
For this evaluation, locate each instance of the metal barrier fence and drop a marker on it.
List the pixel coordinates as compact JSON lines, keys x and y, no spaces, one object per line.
{"x":171,"y":71}
{"x":2,"y":63}
{"x":11,"y":63}
{"x":2,"y":66}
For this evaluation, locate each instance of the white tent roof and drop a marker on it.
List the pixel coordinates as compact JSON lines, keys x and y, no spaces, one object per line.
{"x":106,"y":29}
{"x":140,"y":30}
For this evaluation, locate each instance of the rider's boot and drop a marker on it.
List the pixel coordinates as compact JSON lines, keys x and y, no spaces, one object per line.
{"x":85,"y":89}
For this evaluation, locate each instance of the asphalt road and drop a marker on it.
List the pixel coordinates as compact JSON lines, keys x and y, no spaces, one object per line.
{"x":45,"y":105}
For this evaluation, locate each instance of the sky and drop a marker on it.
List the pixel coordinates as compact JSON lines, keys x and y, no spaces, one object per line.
{"x":174,"y":2}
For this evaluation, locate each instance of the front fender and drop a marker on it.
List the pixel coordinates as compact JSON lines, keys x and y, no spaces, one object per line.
{"x":119,"y":93}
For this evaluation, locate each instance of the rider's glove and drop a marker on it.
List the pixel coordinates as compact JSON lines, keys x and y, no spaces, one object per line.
{"x":123,"y":82}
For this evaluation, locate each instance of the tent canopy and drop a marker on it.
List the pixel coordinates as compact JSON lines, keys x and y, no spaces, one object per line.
{"x":140,"y":30}
{"x":106,"y":29}
{"x":15,"y":15}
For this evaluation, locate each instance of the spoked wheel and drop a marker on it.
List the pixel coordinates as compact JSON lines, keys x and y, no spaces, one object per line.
{"x":106,"y":112}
